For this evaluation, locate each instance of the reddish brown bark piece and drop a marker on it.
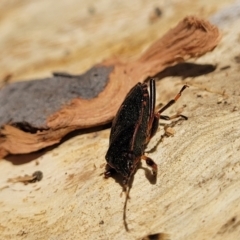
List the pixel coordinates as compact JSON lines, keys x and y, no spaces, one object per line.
{"x":192,"y":37}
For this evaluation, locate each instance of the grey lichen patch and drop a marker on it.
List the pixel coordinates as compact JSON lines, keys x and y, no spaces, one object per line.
{"x":32,"y":102}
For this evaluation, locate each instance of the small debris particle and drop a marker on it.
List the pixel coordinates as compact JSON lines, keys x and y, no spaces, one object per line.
{"x":7,"y":78}
{"x":237,"y":59}
{"x":91,"y":10}
{"x":35,"y":177}
{"x":101,"y":222}
{"x":220,"y":99}
{"x":38,"y":176}
{"x":155,"y":15}
{"x":169,"y":131}
{"x":225,"y":68}
{"x":21,"y":233}
{"x":102,"y":165}
{"x":157,"y":236}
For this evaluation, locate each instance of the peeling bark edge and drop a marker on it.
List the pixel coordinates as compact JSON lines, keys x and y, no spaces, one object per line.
{"x":192,"y":37}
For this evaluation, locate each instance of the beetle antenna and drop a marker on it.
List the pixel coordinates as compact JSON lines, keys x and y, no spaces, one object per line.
{"x":125,"y":209}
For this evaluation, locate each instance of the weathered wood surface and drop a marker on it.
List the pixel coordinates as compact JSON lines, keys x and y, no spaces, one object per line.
{"x":197,"y":191}
{"x":39,"y":113}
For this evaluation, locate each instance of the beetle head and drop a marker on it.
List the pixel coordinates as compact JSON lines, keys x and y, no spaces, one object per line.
{"x":125,"y":164}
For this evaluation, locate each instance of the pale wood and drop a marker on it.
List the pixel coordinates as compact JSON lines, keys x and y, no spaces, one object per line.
{"x":197,"y":191}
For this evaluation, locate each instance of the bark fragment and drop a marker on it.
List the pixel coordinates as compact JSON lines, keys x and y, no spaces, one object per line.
{"x":27,"y":128}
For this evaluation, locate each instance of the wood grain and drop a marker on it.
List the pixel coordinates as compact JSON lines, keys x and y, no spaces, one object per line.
{"x":197,"y":191}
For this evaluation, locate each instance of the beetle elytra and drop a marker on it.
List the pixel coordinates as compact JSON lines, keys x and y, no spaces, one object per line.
{"x":134,"y":125}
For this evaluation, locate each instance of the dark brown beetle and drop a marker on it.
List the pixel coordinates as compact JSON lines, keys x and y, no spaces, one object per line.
{"x":134,"y":125}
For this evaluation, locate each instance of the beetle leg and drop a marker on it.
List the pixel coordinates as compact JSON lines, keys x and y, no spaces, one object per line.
{"x":109,"y":171}
{"x":154,"y":119}
{"x":164,"y":117}
{"x":151,"y":164}
{"x":175,"y":116}
{"x":155,"y":123}
{"x":171,"y":102}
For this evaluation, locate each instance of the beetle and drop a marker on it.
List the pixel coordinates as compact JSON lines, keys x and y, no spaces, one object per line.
{"x":135,"y":123}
